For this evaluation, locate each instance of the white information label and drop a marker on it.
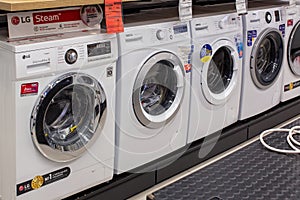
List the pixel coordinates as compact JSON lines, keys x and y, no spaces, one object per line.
{"x":292,"y":2}
{"x":241,"y":6}
{"x":185,"y":10}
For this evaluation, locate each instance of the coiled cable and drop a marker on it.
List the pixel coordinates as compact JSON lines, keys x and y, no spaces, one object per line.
{"x":290,"y":140}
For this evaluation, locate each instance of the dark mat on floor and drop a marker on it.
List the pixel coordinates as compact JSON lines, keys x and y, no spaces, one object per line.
{"x":250,"y":173}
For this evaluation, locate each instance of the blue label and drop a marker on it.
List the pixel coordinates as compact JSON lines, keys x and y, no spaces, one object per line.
{"x":205,"y":53}
{"x":251,"y":35}
{"x":282,"y":29}
{"x":239,"y":45}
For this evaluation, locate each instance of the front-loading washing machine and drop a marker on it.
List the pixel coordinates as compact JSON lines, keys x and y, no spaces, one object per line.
{"x":216,"y":70}
{"x":153,"y":75}
{"x":57,"y":109}
{"x":264,"y":28}
{"x":291,"y":61}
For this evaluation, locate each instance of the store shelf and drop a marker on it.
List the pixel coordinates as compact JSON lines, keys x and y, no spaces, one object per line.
{"x":18,"y":5}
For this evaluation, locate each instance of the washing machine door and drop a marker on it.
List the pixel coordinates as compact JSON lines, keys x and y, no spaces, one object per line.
{"x":66,"y":117}
{"x":220,"y":75}
{"x":158,"y":90}
{"x":293,"y":50}
{"x":266,"y":58}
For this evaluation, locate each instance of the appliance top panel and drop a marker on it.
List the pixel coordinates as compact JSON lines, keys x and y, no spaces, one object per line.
{"x":216,"y":25}
{"x":152,"y":16}
{"x":49,"y":41}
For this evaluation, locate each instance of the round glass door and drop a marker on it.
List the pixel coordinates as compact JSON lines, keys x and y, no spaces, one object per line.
{"x":219,"y":75}
{"x":66,"y":116}
{"x":158,"y":90}
{"x":220,"y":71}
{"x":266,"y":58}
{"x":293,"y":50}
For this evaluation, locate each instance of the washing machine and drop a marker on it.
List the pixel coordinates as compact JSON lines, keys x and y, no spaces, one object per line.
{"x":57,"y":109}
{"x":291,"y":61}
{"x":264,"y":29}
{"x":153,"y":75}
{"x":217,"y":38}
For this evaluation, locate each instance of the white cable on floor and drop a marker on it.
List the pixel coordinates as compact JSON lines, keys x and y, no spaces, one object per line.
{"x":290,"y":140}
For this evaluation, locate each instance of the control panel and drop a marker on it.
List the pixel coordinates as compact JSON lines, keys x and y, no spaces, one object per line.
{"x":65,"y":57}
{"x":216,"y":24}
{"x":156,"y":34}
{"x":256,"y":19}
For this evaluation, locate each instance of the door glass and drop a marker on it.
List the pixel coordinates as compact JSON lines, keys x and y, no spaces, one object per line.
{"x":268,"y":58}
{"x":68,"y":119}
{"x":159,"y":88}
{"x":220,"y":70}
{"x":69,"y":114}
{"x":294,"y":50}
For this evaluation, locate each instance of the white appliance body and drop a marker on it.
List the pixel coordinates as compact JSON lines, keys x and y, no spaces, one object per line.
{"x":57,"y":126}
{"x":262,"y":69}
{"x":152,"y":92}
{"x":216,"y":73}
{"x":291,"y":61}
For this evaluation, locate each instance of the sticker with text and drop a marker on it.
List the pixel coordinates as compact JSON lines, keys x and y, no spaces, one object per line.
{"x":251,"y":36}
{"x":40,"y":181}
{"x":206,"y":53}
{"x":113,"y":16}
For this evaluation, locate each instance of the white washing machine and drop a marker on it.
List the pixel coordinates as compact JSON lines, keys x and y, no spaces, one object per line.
{"x":153,"y":91}
{"x":264,"y":28}
{"x":216,"y":71}
{"x":57,"y":126}
{"x":291,"y":61}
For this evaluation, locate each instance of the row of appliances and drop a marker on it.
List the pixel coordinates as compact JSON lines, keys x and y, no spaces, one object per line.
{"x":77,"y":108}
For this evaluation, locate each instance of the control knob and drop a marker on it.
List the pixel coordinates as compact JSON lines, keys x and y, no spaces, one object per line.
{"x":221,"y":24}
{"x":268,"y":17}
{"x":71,"y":56}
{"x":160,"y":35}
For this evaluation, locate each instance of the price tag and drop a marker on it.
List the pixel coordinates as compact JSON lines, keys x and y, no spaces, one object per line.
{"x":241,"y":6}
{"x":113,"y":16}
{"x":185,"y":10}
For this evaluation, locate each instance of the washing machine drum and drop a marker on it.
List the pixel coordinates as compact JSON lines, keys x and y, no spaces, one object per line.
{"x":158,"y":90}
{"x":293,"y":50}
{"x":66,"y":117}
{"x":266,"y":58}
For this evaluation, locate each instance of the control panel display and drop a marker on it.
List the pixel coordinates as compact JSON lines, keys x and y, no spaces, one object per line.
{"x":277,"y":16}
{"x":98,"y":49}
{"x":180,"y":29}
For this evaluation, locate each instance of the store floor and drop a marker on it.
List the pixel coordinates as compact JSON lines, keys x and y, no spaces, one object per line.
{"x":249,"y":171}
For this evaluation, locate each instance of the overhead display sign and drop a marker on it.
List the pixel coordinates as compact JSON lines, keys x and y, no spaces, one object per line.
{"x":241,"y":6}
{"x":24,"y":24}
{"x":185,"y":10}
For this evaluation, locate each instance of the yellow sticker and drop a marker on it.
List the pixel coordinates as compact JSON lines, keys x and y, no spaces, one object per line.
{"x":37,"y":182}
{"x":206,"y":53}
{"x":291,"y":86}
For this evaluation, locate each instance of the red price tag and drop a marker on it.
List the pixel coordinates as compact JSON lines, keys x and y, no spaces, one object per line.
{"x":113,"y":15}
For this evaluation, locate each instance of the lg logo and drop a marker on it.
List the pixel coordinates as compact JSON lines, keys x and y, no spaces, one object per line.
{"x":15,"y":20}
